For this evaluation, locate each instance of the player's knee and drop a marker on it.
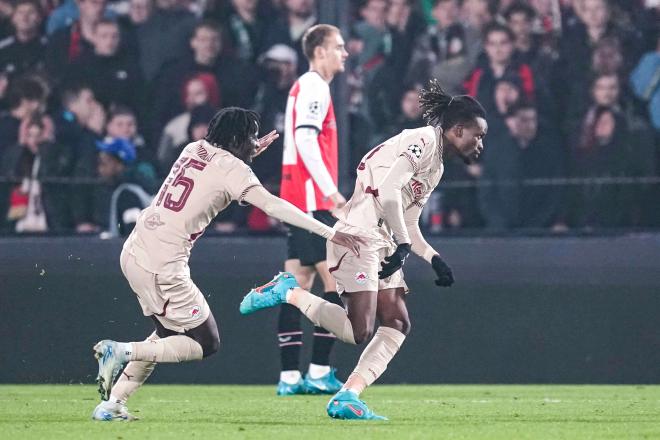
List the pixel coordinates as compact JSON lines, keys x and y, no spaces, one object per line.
{"x":362,"y":334}
{"x":400,"y":324}
{"x":211,"y":346}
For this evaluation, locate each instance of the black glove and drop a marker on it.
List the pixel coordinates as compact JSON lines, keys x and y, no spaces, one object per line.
{"x":445,"y":277}
{"x":395,"y":261}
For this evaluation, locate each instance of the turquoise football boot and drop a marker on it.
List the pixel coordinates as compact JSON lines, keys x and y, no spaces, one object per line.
{"x":288,"y":389}
{"x":328,"y":384}
{"x":268,"y":295}
{"x":346,"y":405}
{"x":111,"y":360}
{"x":107,"y":411}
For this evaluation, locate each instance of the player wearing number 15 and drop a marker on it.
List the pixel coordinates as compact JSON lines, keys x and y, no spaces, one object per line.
{"x":208,"y":175}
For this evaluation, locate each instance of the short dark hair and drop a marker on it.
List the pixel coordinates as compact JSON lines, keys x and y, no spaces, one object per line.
{"x":442,"y":109}
{"x":106,"y":21}
{"x":520,"y":7}
{"x":120,"y":110}
{"x":520,"y":105}
{"x":25,"y":88}
{"x":231,"y":129}
{"x":34,"y":3}
{"x":315,"y":37}
{"x":207,"y":24}
{"x":72,"y":91}
{"x":497,"y":27}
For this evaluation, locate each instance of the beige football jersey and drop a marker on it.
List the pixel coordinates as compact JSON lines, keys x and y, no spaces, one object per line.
{"x":202,"y":182}
{"x":420,"y":147}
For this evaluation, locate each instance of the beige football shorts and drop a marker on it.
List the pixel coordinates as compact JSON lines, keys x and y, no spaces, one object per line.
{"x":173,"y":299}
{"x":357,"y":274}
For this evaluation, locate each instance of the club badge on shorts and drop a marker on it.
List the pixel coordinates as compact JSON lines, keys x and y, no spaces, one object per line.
{"x":195,"y":311}
{"x":361,"y":277}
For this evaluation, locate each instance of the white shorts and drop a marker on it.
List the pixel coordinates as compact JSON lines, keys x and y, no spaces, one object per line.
{"x":358,"y":274}
{"x":173,"y":299}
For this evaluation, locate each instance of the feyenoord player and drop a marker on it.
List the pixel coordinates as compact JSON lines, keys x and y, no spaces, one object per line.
{"x":395,"y":179}
{"x":208,"y":175}
{"x":309,"y":181}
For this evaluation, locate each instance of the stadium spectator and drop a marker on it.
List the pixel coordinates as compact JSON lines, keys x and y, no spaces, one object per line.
{"x":600,"y":150}
{"x":645,"y":83}
{"x":237,"y":81}
{"x":374,"y":45}
{"x":112,"y":76}
{"x":24,"y":51}
{"x":75,"y":135}
{"x":406,"y":24}
{"x":530,"y":47}
{"x":499,"y":63}
{"x":447,"y":51}
{"x":477,"y":13}
{"x":157,"y":32}
{"x":6,"y":11}
{"x":118,"y":164}
{"x":23,"y":161}
{"x":199,"y":90}
{"x":542,"y":156}
{"x":499,"y":199}
{"x":578,"y":42}
{"x":122,"y":123}
{"x":297,"y":16}
{"x":245,"y":27}
{"x":280,"y":64}
{"x":68,"y":44}
{"x":408,"y":114}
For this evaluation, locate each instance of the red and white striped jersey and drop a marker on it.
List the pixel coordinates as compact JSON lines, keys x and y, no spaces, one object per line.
{"x":310,"y":105}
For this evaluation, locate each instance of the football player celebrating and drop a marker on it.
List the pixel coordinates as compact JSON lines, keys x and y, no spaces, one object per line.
{"x":208,"y":175}
{"x":394,"y":181}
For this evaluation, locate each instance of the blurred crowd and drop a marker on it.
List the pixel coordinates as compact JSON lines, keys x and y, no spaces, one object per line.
{"x":105,"y":93}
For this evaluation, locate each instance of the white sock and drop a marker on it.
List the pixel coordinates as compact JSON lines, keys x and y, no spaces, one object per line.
{"x":125,"y":350}
{"x":351,"y":390}
{"x":114,"y":400}
{"x":317,"y":371}
{"x":290,"y":376}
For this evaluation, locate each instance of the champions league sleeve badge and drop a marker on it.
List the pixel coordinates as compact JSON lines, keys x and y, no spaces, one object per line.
{"x":416,"y":150}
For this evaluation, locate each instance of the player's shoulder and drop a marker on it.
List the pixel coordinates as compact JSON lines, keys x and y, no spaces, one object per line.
{"x":422,"y":136}
{"x":313,"y":82}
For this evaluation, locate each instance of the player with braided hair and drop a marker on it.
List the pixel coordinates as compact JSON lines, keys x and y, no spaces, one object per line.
{"x":394,"y":181}
{"x":208,"y":175}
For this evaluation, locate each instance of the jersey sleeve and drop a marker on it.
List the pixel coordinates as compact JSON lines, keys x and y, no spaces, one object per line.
{"x":418,"y":147}
{"x":239,"y":180}
{"x":312,"y":105}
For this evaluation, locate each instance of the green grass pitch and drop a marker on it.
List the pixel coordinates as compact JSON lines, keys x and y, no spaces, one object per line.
{"x":415,"y":412}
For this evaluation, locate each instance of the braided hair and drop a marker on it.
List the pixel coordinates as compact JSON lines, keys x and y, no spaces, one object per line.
{"x":442,"y":109}
{"x":232,"y":129}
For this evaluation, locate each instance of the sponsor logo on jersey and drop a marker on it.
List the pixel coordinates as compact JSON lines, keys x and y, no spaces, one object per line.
{"x":417,"y":189}
{"x":416,"y":150}
{"x":361,"y":277}
{"x":153,"y":221}
{"x":195,"y":311}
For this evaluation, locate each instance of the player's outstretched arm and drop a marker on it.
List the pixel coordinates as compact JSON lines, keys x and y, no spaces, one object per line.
{"x":421,"y":247}
{"x":286,"y":212}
